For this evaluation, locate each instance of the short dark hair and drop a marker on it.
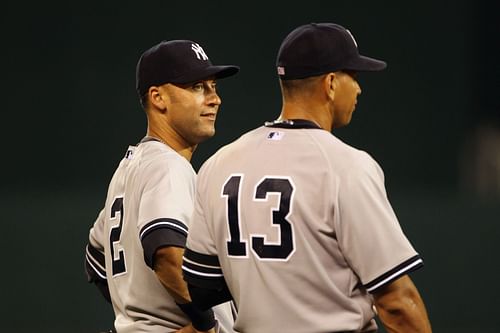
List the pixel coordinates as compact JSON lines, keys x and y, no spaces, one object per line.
{"x":144,"y":99}
{"x":293,"y":87}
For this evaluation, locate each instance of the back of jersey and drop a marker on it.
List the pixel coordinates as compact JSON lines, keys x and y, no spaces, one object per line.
{"x":151,"y":192}
{"x":272,"y":203}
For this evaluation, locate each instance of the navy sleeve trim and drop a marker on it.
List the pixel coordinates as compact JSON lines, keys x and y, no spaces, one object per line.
{"x":405,"y":267}
{"x":202,"y":270}
{"x":95,"y":263}
{"x":160,"y":233}
{"x":202,"y":259}
{"x":163,"y":223}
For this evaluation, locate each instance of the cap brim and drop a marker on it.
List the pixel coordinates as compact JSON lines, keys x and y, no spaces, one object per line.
{"x":366,"y":64}
{"x":219,"y":72}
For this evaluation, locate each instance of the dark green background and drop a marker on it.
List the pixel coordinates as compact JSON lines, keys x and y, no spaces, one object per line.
{"x":70,"y":110}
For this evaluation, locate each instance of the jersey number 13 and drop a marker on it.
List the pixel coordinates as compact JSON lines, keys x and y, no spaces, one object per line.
{"x":236,"y":245}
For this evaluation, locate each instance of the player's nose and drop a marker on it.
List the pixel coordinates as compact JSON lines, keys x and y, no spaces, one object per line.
{"x":213,"y":98}
{"x":358,"y":88}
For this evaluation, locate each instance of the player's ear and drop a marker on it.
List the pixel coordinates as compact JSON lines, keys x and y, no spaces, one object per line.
{"x":158,"y":98}
{"x":330,"y":85}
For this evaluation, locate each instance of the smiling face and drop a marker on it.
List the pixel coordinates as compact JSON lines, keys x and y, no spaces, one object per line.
{"x":191,"y":110}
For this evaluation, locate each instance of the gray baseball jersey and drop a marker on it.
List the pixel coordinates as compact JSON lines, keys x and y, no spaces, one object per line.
{"x":299,"y":225}
{"x":148,"y":205}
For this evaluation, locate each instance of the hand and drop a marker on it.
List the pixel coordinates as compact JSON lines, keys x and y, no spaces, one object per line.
{"x":190,"y":329}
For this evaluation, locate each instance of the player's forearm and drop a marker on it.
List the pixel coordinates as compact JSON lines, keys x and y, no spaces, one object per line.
{"x":401,"y":309}
{"x":408,"y":318}
{"x":167,"y":266}
{"x":177,"y":289}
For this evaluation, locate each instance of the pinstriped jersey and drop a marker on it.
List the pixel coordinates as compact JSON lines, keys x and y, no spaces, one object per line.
{"x":299,"y":226}
{"x":148,"y":205}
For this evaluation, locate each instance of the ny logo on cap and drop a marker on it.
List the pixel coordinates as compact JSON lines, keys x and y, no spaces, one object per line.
{"x":200,"y":54}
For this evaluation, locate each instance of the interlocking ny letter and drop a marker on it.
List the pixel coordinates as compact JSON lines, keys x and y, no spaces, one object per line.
{"x":200,"y":54}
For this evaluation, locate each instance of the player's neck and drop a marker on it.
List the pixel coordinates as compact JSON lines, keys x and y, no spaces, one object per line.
{"x":173,"y":141}
{"x":307,"y":112}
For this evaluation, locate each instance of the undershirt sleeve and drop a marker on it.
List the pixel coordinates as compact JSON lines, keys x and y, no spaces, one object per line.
{"x":160,"y":233}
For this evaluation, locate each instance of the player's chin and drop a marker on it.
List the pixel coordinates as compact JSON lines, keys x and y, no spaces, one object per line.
{"x":348,"y":120}
{"x":206,"y":133}
{"x":209,"y":129}
{"x":344,"y":121}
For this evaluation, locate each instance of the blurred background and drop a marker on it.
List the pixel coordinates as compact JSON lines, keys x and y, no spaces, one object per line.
{"x":69,"y":110}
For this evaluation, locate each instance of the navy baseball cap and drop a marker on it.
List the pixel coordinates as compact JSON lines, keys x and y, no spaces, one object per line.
{"x":176,"y":61}
{"x":319,"y":48}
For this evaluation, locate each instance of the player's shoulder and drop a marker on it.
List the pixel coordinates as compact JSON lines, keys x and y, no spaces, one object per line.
{"x":153,"y":156}
{"x":338,"y":149}
{"x":345,"y":156}
{"x":231,"y":150}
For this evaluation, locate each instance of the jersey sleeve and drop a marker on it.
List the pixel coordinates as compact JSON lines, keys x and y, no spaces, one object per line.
{"x":95,"y":265}
{"x":368,"y":230}
{"x":165,"y":205}
{"x":201,"y":265}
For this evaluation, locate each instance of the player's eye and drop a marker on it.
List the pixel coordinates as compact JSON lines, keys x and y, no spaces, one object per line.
{"x":198,"y":86}
{"x":210,"y":86}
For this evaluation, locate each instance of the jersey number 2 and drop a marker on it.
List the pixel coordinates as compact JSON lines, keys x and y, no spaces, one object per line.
{"x":238,"y":247}
{"x":117,"y":253}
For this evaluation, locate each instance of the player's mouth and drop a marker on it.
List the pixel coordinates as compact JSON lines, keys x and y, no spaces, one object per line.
{"x":209,"y":115}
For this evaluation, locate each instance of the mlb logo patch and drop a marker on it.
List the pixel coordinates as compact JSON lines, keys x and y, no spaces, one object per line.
{"x":275,"y":135}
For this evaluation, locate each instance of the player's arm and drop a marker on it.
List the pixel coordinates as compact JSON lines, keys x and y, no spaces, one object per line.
{"x":168,"y":268}
{"x":372,"y":238}
{"x":95,"y":266}
{"x":166,"y":180}
{"x":400,"y":307}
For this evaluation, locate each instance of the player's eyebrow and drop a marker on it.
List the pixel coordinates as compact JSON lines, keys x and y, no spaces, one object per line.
{"x":209,"y":81}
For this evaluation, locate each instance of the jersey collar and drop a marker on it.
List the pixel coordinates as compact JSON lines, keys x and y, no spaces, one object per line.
{"x":292,"y":123}
{"x":148,"y":138}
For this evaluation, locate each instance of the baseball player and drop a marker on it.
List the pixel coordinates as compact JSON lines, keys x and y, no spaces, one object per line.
{"x":135,"y":247}
{"x":294,"y":224}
